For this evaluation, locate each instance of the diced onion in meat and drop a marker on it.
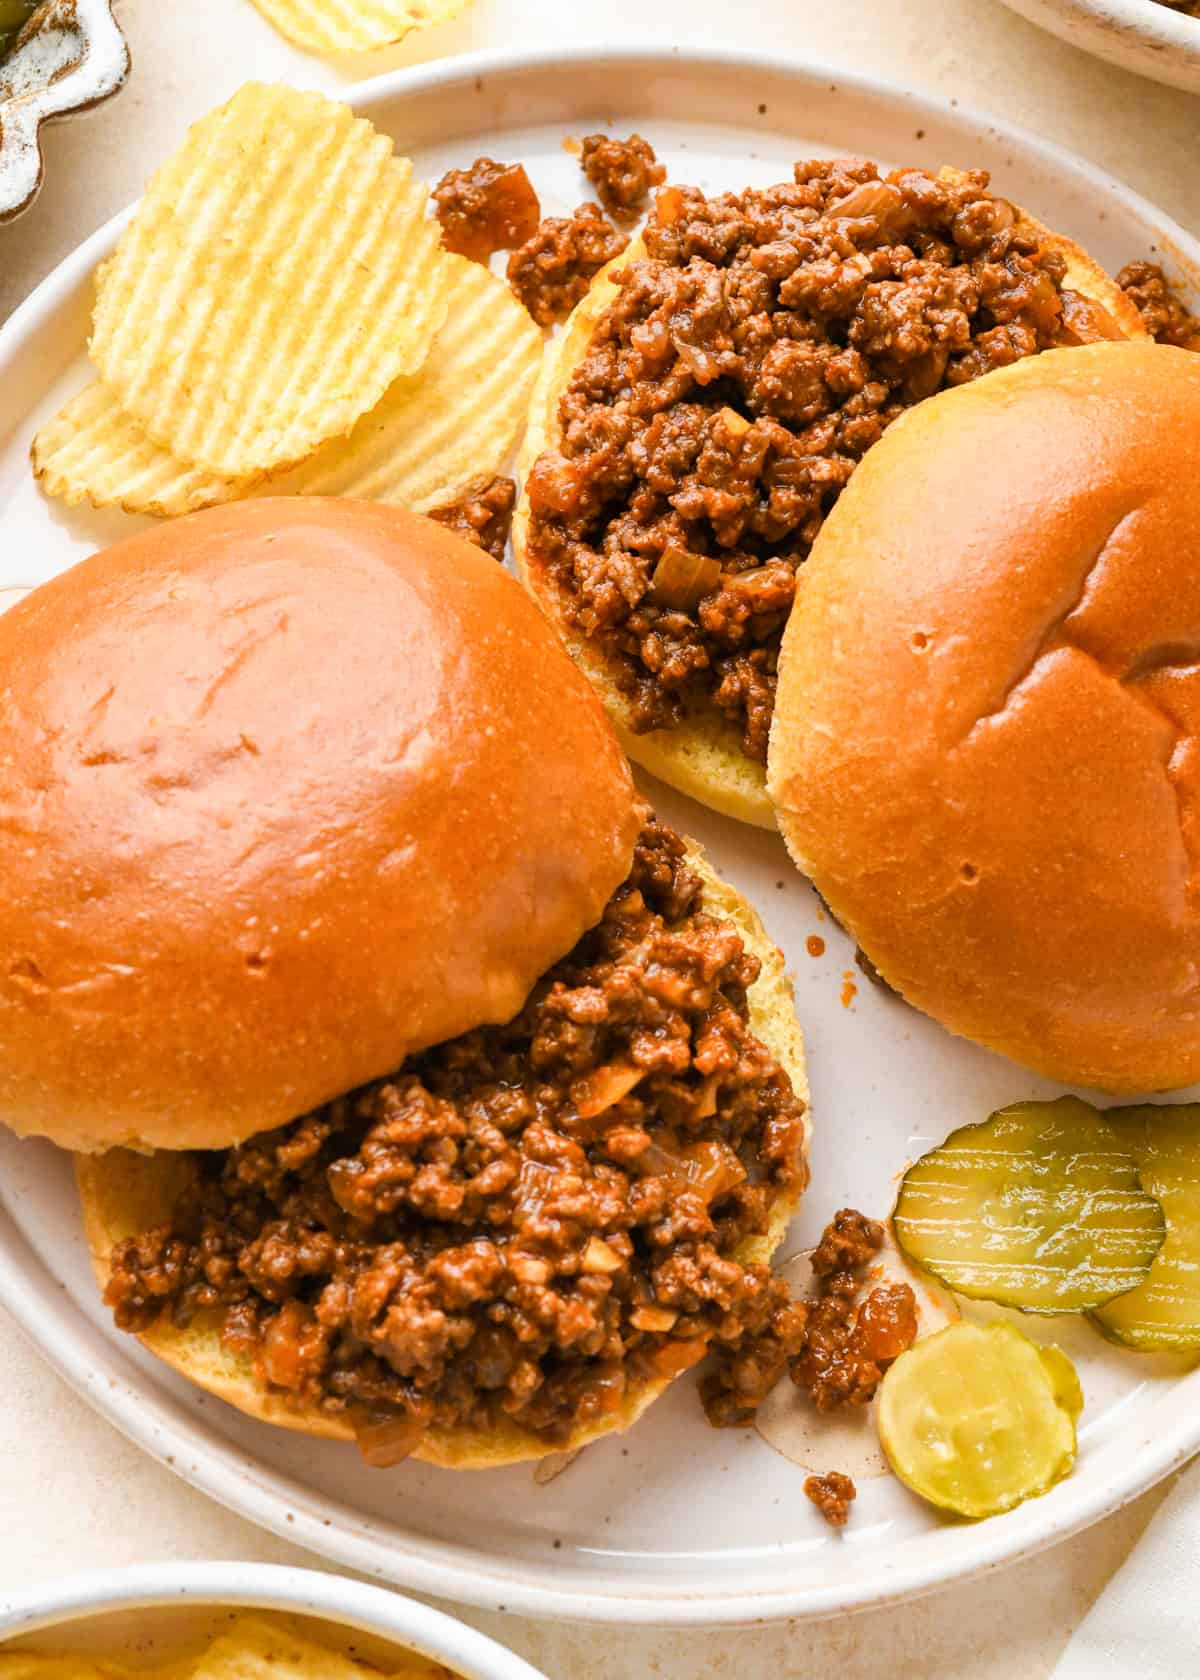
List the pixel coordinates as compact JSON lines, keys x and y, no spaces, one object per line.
{"x":386,"y":1438}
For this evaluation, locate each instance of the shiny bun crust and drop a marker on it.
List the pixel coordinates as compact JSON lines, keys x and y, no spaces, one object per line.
{"x":290,"y":788}
{"x":123,"y":1194}
{"x":703,"y":757}
{"x":986,"y":745}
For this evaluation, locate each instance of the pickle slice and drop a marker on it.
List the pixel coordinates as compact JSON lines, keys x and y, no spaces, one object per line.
{"x":1163,"y":1314}
{"x":1039,"y":1207}
{"x":978,"y":1418}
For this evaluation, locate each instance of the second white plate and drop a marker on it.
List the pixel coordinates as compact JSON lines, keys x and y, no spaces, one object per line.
{"x":1144,"y":36}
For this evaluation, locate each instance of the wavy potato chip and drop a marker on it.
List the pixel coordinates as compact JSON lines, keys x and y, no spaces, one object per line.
{"x":278,"y":277}
{"x":93,"y":452}
{"x":258,"y":1650}
{"x":251,"y":1649}
{"x":348,"y":26}
{"x":455,"y":421}
{"x":31,"y":1665}
{"x":433,"y":433}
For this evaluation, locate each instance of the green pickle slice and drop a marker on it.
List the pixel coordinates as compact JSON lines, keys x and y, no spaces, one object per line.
{"x":978,"y":1418}
{"x":1038,"y":1207}
{"x":1163,"y":1314}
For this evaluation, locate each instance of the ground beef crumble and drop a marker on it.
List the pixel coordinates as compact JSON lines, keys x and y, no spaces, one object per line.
{"x":622,"y":172}
{"x":832,"y":1494}
{"x":522,"y":1221}
{"x":489,"y":207}
{"x":835,"y":1346}
{"x":482,"y":514}
{"x":1166,"y":317}
{"x":552,"y":271}
{"x":746,"y":365}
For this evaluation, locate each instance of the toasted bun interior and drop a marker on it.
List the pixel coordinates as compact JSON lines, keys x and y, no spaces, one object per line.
{"x":984,"y":749}
{"x":703,"y":757}
{"x":125,"y":1193}
{"x":291,"y":788}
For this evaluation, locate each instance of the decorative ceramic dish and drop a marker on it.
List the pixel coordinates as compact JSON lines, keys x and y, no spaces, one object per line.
{"x":673,"y":1522}
{"x":69,"y":57}
{"x":151,"y":1614}
{"x":1145,"y":36}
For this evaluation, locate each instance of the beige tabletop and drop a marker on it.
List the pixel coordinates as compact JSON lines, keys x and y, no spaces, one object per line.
{"x":73,"y":1493}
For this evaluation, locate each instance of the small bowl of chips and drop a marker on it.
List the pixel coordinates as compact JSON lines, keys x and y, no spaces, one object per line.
{"x":56,"y":57}
{"x":236,"y":1621}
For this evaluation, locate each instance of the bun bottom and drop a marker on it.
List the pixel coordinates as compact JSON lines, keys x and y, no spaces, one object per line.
{"x":124,"y":1193}
{"x":703,"y":755}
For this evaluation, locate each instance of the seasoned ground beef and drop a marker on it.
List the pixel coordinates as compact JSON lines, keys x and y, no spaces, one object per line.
{"x":622,"y":172}
{"x":482,"y":514}
{"x":521,"y":1222}
{"x":554,"y":268}
{"x":1166,"y":317}
{"x":832,"y":1494}
{"x":488,"y":207}
{"x":835,"y":1346}
{"x":746,"y":365}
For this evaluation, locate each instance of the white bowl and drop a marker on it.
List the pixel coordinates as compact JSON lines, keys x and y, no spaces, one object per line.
{"x":1144,"y":36}
{"x":148,"y":1614}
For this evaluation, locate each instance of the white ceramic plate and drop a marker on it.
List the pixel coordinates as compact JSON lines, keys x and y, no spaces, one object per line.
{"x":1144,"y":36}
{"x":150,"y":1615}
{"x":674,"y":1523}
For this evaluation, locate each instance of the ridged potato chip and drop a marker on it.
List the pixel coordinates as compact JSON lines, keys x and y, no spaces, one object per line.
{"x":454,"y":421}
{"x":348,"y":26}
{"x":278,"y":277}
{"x":433,"y":433}
{"x":93,"y":452}
{"x":33,"y":1665}
{"x":251,"y":1649}
{"x":254,"y":1649}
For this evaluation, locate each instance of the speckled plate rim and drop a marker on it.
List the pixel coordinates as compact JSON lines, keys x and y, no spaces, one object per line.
{"x":100,"y":72}
{"x":92,"y":1363}
{"x":263,"y":1586}
{"x":1140,"y":35}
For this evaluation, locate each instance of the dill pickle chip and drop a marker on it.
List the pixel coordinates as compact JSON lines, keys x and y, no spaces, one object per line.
{"x":978,"y":1418}
{"x":1064,"y":1379}
{"x":1039,"y":1207}
{"x":1163,"y":1314}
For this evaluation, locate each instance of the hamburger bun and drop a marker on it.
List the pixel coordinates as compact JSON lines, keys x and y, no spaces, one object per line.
{"x":262,"y":761}
{"x":984,"y":750}
{"x":703,"y":757}
{"x":124,"y":1193}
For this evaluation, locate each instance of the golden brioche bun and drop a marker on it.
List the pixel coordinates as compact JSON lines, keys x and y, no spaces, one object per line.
{"x":703,"y":756}
{"x":291,"y":789}
{"x":984,"y":751}
{"x":124,"y":1193}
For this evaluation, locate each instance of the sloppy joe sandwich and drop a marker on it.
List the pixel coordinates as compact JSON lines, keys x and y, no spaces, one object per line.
{"x":427,"y":1090}
{"x":710,"y":399}
{"x":984,"y":745}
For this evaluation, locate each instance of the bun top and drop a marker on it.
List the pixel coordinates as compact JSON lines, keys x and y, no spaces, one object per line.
{"x":986,"y":747}
{"x":289,"y":789}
